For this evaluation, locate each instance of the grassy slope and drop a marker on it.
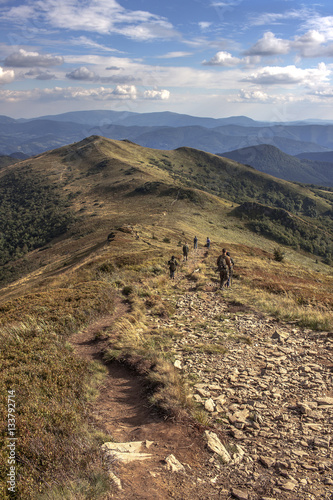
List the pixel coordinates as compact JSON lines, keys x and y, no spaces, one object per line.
{"x":79,"y":276}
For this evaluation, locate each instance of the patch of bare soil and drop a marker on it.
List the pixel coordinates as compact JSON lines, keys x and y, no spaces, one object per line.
{"x":122,"y":410}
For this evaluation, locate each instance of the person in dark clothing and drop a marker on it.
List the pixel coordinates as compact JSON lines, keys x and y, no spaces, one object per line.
{"x":223,"y":266}
{"x":172,"y":263}
{"x":195,"y":242}
{"x":231,"y":270}
{"x":208,"y":242}
{"x":185,"y":251}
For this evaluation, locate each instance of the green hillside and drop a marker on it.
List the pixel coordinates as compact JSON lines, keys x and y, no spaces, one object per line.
{"x":7,"y":160}
{"x":99,"y":183}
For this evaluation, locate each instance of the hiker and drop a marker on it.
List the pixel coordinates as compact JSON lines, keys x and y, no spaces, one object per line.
{"x":172,"y":263}
{"x":208,"y":242}
{"x":185,"y":251}
{"x":195,"y":242}
{"x":223,"y":266}
{"x":231,"y":270}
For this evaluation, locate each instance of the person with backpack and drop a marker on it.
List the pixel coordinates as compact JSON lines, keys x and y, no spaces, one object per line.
{"x":223,"y":267}
{"x":195,"y":243}
{"x":231,"y":270}
{"x":172,"y":263}
{"x":185,"y":251}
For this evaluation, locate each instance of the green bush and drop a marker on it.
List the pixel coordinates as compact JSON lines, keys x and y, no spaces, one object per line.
{"x":278,"y":254}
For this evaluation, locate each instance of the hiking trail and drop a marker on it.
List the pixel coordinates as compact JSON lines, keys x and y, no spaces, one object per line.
{"x":266,"y":384}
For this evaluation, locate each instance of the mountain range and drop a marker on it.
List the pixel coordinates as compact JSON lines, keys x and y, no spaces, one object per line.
{"x":163,"y":130}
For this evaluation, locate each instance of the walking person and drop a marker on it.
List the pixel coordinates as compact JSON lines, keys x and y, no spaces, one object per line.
{"x":172,"y":263}
{"x":208,"y":242}
{"x":231,"y":270}
{"x":185,"y":251}
{"x":223,"y":267}
{"x":195,"y":243}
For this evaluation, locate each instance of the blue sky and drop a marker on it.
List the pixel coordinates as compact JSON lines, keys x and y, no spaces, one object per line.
{"x":266,"y":60}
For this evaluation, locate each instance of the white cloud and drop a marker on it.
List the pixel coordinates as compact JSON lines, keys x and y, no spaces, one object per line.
{"x":40,"y":75}
{"x":253,"y":95}
{"x":273,"y":75}
{"x":6,"y":76}
{"x":82,"y":73}
{"x":161,"y":95}
{"x":125,"y":92}
{"x":100,"y":16}
{"x":269,"y":45}
{"x":67,"y":94}
{"x":222,"y":59}
{"x":322,"y":24}
{"x":204,"y":25}
{"x":83,"y":41}
{"x":326,"y":93}
{"x":172,"y":55}
{"x":312,"y":44}
{"x":86,"y":75}
{"x":24,"y":59}
{"x":120,"y":93}
{"x":278,"y":18}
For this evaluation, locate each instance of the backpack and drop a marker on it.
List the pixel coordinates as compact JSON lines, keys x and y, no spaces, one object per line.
{"x":172,"y":265}
{"x":222,"y":264}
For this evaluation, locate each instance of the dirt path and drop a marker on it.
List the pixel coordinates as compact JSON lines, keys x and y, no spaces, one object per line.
{"x":122,"y":410}
{"x":264,"y":381}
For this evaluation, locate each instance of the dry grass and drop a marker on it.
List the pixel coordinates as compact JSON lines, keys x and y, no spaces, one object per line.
{"x":287,"y":291}
{"x":54,"y":442}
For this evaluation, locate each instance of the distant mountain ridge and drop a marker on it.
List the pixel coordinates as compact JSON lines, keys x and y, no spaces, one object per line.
{"x":273,"y":161}
{"x":169,"y":131}
{"x":159,"y":119}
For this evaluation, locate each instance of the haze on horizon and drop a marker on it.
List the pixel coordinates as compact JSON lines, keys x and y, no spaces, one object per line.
{"x":218,"y":58}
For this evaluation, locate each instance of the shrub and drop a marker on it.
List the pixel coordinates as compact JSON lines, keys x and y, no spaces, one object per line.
{"x":127,"y":290}
{"x":278,"y":254}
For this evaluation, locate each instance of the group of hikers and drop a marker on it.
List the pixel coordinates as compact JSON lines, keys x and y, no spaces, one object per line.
{"x":224,"y":263}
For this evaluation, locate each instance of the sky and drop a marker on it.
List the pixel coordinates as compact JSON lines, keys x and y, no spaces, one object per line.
{"x":265,"y":60}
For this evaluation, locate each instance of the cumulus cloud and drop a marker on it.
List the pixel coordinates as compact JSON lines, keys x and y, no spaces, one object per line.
{"x":24,"y":59}
{"x":83,"y":74}
{"x":222,"y":59}
{"x":273,"y":75}
{"x":323,"y":24}
{"x":269,"y":45}
{"x":120,"y":93}
{"x":125,"y":92}
{"x":157,"y":95}
{"x":6,"y":76}
{"x":253,"y":95}
{"x":312,"y":44}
